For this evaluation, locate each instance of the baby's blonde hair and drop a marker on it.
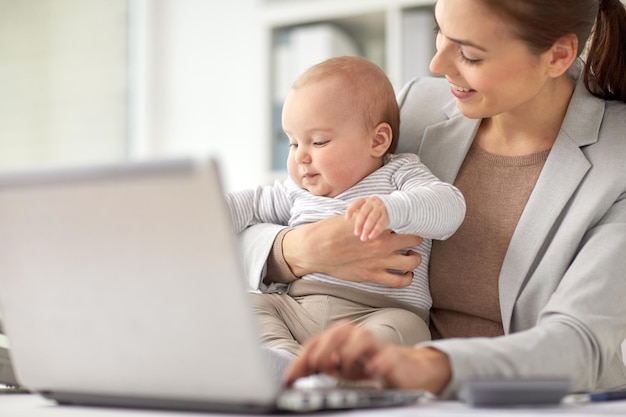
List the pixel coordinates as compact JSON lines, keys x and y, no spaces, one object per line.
{"x":369,"y":90}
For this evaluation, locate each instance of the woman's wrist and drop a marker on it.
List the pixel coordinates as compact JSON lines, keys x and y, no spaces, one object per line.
{"x":289,"y":253}
{"x":438,"y":367}
{"x":278,"y":270}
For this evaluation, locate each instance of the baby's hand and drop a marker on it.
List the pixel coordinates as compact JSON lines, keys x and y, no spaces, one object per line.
{"x":370,"y":217}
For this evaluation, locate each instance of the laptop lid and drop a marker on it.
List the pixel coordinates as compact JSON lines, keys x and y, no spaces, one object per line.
{"x":121,"y":285}
{"x":124,"y":281}
{"x":7,"y":378}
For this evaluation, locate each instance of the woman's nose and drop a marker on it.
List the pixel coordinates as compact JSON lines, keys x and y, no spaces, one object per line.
{"x":443,"y":61}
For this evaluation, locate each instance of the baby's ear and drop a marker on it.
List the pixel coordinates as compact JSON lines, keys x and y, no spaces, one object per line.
{"x":381,"y":140}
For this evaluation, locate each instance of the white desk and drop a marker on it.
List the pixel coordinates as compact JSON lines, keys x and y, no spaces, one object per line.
{"x":26,"y":405}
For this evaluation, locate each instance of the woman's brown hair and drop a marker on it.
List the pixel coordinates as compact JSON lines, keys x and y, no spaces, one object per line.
{"x":599,"y":24}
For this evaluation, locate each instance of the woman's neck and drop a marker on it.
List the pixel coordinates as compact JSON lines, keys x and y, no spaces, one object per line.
{"x":531,"y":128}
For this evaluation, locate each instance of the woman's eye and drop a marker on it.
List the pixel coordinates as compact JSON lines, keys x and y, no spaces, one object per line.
{"x":467,"y":60}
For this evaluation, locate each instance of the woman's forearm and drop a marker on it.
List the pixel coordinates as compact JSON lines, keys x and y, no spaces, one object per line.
{"x":330,"y":246}
{"x":278,"y":270}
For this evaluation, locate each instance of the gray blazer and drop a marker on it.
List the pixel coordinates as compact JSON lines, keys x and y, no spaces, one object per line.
{"x":563,"y":281}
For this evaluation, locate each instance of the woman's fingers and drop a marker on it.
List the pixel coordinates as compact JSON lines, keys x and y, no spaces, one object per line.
{"x":314,"y":357}
{"x":354,"y":354}
{"x":341,"y":351}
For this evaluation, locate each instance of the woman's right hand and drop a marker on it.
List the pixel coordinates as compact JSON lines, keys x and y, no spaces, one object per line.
{"x":331,"y":247}
{"x":350,"y":352}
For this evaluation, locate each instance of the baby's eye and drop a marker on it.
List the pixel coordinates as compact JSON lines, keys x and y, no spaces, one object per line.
{"x":293,"y":145}
{"x":320,"y":143}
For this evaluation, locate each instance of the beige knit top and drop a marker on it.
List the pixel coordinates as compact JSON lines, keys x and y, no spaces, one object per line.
{"x":464,"y":269}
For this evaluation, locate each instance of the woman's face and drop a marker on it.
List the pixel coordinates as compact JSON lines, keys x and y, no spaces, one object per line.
{"x":489,"y":70}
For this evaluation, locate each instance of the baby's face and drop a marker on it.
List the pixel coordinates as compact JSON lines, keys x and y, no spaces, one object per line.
{"x":330,"y":147}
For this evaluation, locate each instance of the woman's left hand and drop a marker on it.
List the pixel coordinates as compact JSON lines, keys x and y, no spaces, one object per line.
{"x":350,"y":352}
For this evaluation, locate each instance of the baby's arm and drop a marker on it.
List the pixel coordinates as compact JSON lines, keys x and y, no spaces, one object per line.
{"x":370,"y":217}
{"x":264,"y":204}
{"x":423,"y":204}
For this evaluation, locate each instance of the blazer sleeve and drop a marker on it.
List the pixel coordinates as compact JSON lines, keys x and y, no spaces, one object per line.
{"x":258,"y":215}
{"x":578,"y":333}
{"x":256,"y":242}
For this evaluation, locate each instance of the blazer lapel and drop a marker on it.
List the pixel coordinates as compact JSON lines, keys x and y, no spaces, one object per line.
{"x":563,"y":171}
{"x":445,"y":144}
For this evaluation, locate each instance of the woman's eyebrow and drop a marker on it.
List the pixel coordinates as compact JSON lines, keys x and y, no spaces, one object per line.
{"x":461,"y":42}
{"x":467,"y":43}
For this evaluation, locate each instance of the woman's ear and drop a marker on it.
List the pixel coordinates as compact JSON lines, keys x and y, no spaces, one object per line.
{"x":381,"y":140}
{"x":562,"y":54}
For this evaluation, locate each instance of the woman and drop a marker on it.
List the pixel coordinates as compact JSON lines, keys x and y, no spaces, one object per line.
{"x":533,"y":282}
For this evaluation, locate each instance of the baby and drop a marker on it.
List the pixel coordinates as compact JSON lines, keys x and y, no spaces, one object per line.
{"x":342,"y":120}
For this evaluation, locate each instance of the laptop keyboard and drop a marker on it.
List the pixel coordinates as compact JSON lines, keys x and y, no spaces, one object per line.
{"x":303,"y":400}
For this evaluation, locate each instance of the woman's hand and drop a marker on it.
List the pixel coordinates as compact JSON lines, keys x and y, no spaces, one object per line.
{"x":350,"y":352}
{"x":330,"y":246}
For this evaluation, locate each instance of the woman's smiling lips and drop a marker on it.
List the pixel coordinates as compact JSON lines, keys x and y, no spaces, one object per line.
{"x":461,"y":92}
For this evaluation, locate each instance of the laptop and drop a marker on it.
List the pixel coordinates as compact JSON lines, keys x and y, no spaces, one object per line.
{"x":7,"y":378}
{"x":121,"y":285}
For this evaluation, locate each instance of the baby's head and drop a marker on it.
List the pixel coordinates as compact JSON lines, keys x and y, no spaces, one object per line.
{"x":367,"y":91}
{"x":341,"y":117}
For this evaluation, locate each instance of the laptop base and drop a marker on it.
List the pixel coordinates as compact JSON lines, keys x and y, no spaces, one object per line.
{"x":97,"y":400}
{"x":291,"y":400}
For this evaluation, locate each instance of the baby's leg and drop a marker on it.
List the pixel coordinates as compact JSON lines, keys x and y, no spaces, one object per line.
{"x":284,"y":322}
{"x":396,"y":325}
